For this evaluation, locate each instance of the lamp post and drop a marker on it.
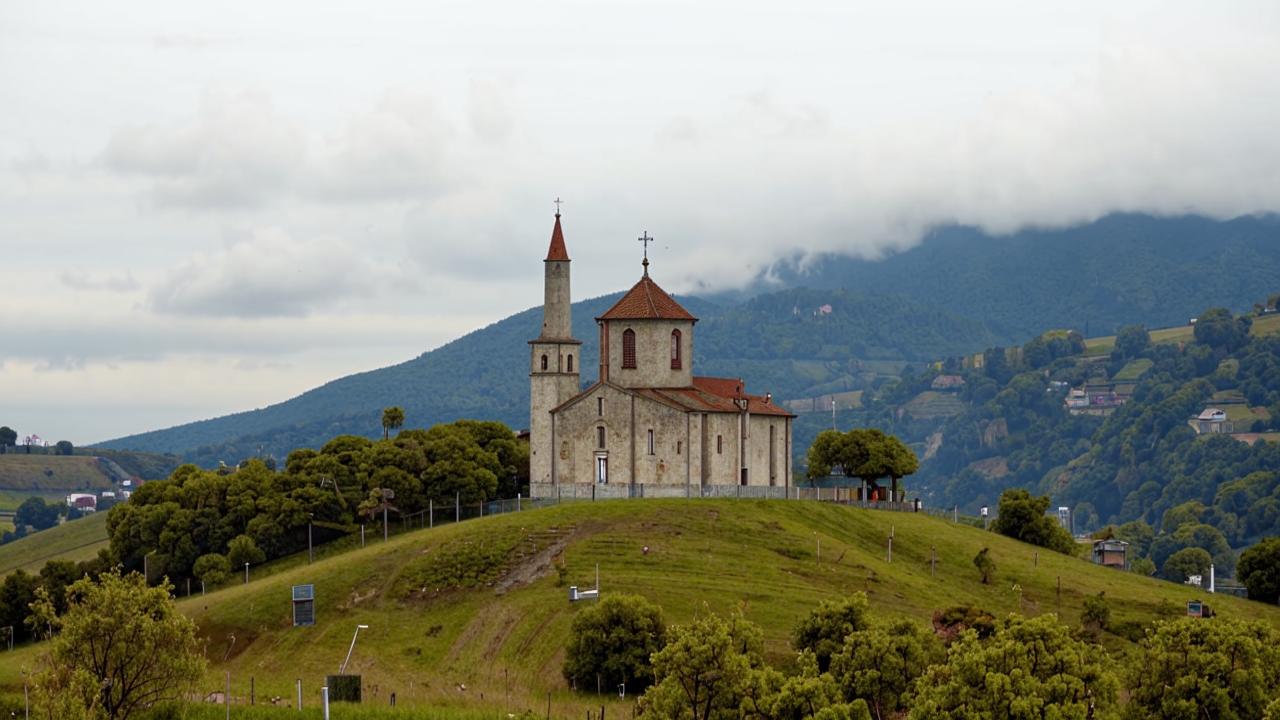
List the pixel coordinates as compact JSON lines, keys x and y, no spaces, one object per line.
{"x":343,"y":667}
{"x":246,"y":573}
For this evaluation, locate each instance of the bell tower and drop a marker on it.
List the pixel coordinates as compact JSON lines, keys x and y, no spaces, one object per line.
{"x":554,"y":360}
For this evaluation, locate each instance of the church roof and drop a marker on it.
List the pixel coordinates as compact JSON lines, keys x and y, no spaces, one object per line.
{"x":557,"y":251}
{"x":647,"y":301}
{"x":707,"y":394}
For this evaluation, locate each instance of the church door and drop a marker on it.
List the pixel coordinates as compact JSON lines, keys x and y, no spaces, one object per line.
{"x":602,"y":469}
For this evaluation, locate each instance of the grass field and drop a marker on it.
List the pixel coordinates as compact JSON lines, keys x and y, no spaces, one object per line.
{"x":76,"y":540}
{"x":22,"y":472}
{"x":503,"y":638}
{"x":1133,"y":370}
{"x":11,"y":499}
{"x":1264,"y":325}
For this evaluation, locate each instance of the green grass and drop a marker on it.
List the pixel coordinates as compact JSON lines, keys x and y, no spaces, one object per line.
{"x":505,"y":642}
{"x":934,"y":404}
{"x":1133,"y":370}
{"x":19,"y":471}
{"x":11,"y":499}
{"x":76,"y":540}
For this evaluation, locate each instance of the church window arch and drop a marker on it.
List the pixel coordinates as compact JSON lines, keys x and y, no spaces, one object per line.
{"x":675,"y":350}
{"x":544,"y":362}
{"x":600,"y":437}
{"x":570,"y":363}
{"x":629,"y":348}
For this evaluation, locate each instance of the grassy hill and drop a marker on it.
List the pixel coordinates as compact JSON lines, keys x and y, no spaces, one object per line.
{"x":472,"y":615}
{"x":52,"y":473}
{"x":1263,"y":325}
{"x":76,"y":540}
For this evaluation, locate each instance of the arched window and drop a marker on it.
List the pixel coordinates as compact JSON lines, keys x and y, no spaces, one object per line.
{"x":629,"y":348}
{"x":544,"y":362}
{"x":675,"y":349}
{"x":570,"y":363}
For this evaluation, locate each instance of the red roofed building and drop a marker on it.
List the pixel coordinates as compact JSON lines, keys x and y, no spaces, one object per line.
{"x":648,"y":424}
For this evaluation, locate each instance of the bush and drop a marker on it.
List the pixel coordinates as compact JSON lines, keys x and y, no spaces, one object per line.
{"x":1097,"y":613}
{"x":1185,"y":563}
{"x":1022,"y":516}
{"x":1259,"y":570}
{"x":986,"y":566}
{"x":612,"y":641}
{"x":212,"y":569}
{"x":242,"y":549}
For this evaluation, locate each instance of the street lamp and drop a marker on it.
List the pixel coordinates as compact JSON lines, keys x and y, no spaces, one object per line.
{"x":246,"y":573}
{"x":353,"y":647}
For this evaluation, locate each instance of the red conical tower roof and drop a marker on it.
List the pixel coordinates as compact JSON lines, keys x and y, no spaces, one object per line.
{"x":557,"y":251}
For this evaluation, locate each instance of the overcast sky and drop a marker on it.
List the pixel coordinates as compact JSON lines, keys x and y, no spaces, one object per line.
{"x":210,"y":207}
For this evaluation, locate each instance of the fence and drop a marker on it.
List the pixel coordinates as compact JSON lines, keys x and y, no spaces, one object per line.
{"x":569,"y":492}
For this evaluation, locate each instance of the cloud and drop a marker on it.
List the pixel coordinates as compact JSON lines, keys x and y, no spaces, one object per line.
{"x":269,"y":273}
{"x":122,"y":283}
{"x":237,"y":152}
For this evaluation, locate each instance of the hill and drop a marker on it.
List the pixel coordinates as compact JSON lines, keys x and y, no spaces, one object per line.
{"x":75,"y":540}
{"x":54,"y":473}
{"x":472,"y":615}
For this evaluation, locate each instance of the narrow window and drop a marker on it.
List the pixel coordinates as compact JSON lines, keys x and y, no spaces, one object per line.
{"x":675,"y":349}
{"x":719,"y":444}
{"x":600,"y":407}
{"x":600,"y":437}
{"x":651,"y":442}
{"x":629,"y":348}
{"x":773,"y":453}
{"x":679,"y":446}
{"x":544,"y":362}
{"x":570,"y":363}
{"x":602,"y":470}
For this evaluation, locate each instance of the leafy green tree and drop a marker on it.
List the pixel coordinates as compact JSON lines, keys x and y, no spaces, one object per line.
{"x":64,"y":447}
{"x":34,"y":511}
{"x":1259,"y":570}
{"x":880,"y":665}
{"x":1185,"y":563}
{"x":770,"y":695}
{"x":129,"y":638}
{"x":1022,"y":516}
{"x":825,"y":628}
{"x":392,"y":419}
{"x":1225,"y":669}
{"x":212,"y":569}
{"x":1143,"y":566}
{"x":242,"y":549}
{"x":705,"y":670}
{"x":55,"y":577}
{"x":1096,"y":616}
{"x":864,"y":453}
{"x":612,"y":642}
{"x":1030,"y":668}
{"x":8,"y":436}
{"x":1132,"y":340}
{"x":1220,"y":330}
{"x":986,"y":565}
{"x":1138,"y":534}
{"x":17,"y":591}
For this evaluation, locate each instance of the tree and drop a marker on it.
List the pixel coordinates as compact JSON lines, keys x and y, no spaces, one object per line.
{"x":212,"y":569}
{"x":1218,"y":329}
{"x":824,"y":629}
{"x":705,"y":670}
{"x":1132,"y":340}
{"x":611,"y":643}
{"x":1030,"y":668}
{"x":64,"y":447}
{"x":1097,"y":613}
{"x":1259,"y":570}
{"x":986,"y":566}
{"x":1022,"y":516}
{"x":129,"y":638}
{"x":392,"y":419}
{"x":880,"y":665}
{"x":865,"y":453}
{"x":17,"y":591}
{"x":1185,"y":563}
{"x":242,"y":549}
{"x":1225,"y":669}
{"x":34,"y":511}
{"x":8,"y":437}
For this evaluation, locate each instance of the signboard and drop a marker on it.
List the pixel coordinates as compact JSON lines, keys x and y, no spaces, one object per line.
{"x":304,"y":605}
{"x":1195,"y":608}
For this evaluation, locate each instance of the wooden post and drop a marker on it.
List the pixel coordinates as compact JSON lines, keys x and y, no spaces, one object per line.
{"x":1035,"y":559}
{"x":890,"y":557}
{"x":251,"y":689}
{"x":1059,"y":589}
{"x":933,"y":561}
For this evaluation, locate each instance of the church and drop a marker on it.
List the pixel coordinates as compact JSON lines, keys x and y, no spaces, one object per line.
{"x":648,"y":426}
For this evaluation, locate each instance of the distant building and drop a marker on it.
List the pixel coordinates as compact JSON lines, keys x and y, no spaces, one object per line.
{"x":1212,"y":420}
{"x":1111,"y":553}
{"x":947,"y":382}
{"x":84,"y":502}
{"x":1096,"y":398}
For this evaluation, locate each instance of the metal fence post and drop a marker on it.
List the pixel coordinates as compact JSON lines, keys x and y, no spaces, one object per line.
{"x":431,"y":513}
{"x":457,"y":507}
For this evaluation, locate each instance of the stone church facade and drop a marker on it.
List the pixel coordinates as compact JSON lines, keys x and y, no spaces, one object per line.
{"x":648,"y":425}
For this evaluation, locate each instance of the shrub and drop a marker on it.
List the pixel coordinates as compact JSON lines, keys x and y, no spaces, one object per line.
{"x":824,"y":629}
{"x":612,"y":641}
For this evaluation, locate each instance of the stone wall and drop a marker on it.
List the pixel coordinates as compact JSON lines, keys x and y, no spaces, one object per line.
{"x":653,"y":353}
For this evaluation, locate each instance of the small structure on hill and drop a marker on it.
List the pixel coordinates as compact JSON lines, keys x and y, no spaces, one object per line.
{"x":1095,"y":398}
{"x":1111,"y":553}
{"x":84,"y":502}
{"x":951,"y":383}
{"x":1212,"y":421}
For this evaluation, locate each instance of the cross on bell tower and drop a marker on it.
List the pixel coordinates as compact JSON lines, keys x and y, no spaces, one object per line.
{"x":646,"y":240}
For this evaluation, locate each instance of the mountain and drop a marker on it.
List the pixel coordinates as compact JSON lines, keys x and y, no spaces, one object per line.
{"x":1121,"y":269}
{"x":854,"y":325}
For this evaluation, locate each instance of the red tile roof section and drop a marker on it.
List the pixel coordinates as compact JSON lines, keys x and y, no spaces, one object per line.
{"x":706,"y":395}
{"x":557,"y":251}
{"x":647,"y":301}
